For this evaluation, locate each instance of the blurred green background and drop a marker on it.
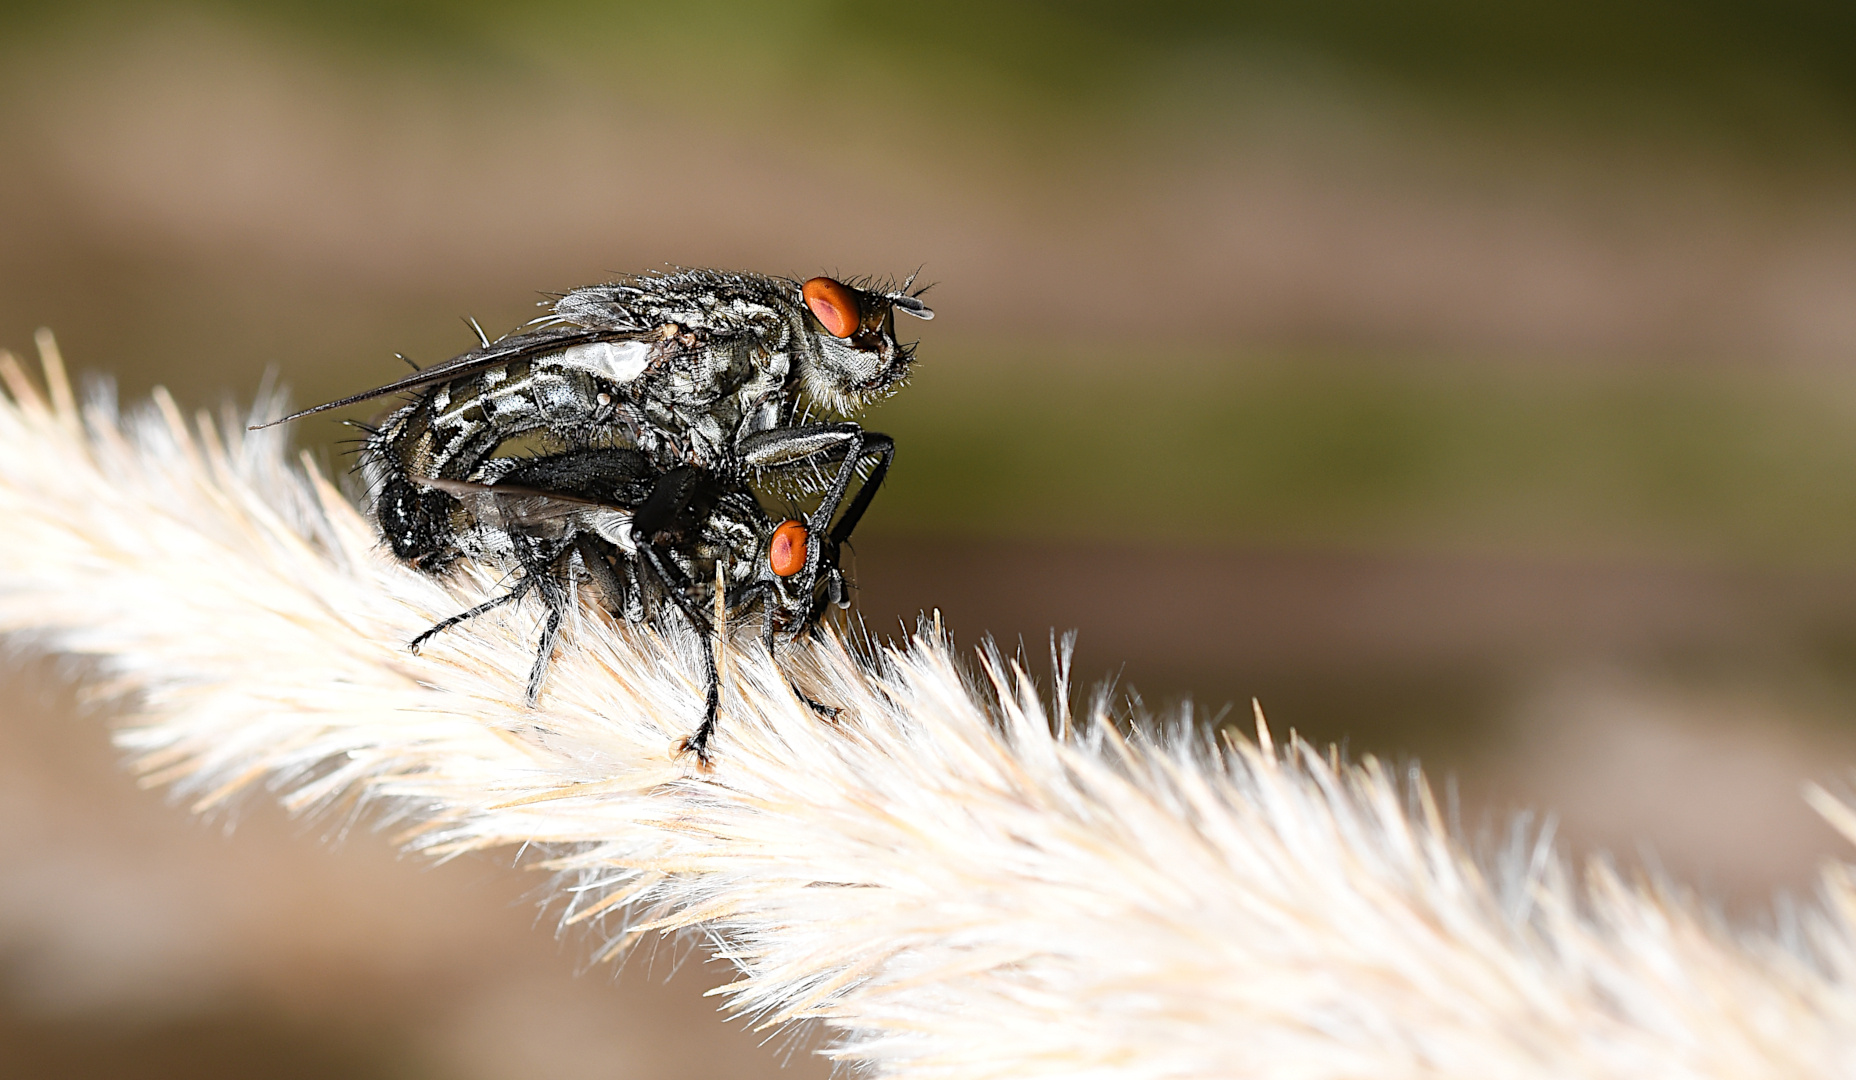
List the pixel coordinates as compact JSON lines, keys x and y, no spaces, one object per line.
{"x":1469,"y":383}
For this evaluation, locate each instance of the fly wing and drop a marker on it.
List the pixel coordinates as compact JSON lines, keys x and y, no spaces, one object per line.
{"x":522,"y":346}
{"x":516,"y":504}
{"x":513,"y":506}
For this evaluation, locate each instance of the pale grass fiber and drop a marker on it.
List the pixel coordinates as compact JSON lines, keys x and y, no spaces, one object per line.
{"x":955,"y":878}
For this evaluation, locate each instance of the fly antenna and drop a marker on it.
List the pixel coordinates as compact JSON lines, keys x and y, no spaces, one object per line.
{"x":910,"y":302}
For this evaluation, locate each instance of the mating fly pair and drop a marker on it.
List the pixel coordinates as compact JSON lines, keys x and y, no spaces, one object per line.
{"x":618,"y":439}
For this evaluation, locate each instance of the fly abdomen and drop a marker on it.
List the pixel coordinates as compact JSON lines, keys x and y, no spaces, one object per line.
{"x":416,"y":523}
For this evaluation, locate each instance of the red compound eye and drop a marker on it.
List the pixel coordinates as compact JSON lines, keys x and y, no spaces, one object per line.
{"x":787,"y":553}
{"x":835,"y":305}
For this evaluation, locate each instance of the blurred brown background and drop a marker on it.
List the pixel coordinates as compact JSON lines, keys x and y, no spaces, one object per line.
{"x":1470,"y":383}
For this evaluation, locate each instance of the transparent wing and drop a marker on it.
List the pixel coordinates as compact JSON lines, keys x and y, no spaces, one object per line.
{"x":515,"y":347}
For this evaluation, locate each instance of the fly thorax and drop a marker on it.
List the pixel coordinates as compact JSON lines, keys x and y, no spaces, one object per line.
{"x":616,"y":363}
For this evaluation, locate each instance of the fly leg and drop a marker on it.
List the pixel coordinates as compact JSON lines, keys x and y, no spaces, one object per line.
{"x":756,"y":591}
{"x":663,"y":518}
{"x":825,"y":712}
{"x":537,"y":575}
{"x":554,"y":598}
{"x":678,"y":585}
{"x":785,"y":447}
{"x":831,"y":551}
{"x":509,"y":597}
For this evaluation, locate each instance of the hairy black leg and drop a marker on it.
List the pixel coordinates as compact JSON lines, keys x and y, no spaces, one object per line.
{"x":536,"y":575}
{"x":539,"y":565}
{"x":787,"y":446}
{"x":678,"y":585}
{"x":756,"y":591}
{"x":829,"y":552}
{"x":663,"y":513}
{"x":885,"y":450}
{"x":698,"y":741}
{"x":544,"y":653}
{"x":509,"y":597}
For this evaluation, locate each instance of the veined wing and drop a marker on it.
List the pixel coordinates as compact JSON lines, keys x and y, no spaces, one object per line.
{"x":515,"y":347}
{"x":525,"y":505}
{"x":517,"y":506}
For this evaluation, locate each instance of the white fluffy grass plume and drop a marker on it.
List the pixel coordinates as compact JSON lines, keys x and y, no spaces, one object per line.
{"x":955,"y":878}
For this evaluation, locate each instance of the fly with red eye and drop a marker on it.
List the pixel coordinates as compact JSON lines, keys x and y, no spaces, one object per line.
{"x":695,"y":367}
{"x":643,"y":543}
{"x":694,"y":371}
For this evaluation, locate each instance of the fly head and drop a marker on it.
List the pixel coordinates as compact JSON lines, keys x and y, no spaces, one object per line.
{"x":850,"y":357}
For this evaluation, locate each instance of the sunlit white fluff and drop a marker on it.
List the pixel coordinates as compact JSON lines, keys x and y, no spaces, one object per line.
{"x":956,"y":878}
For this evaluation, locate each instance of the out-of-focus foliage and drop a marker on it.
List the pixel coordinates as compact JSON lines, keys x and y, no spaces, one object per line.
{"x":1716,"y":462}
{"x":1777,"y":74}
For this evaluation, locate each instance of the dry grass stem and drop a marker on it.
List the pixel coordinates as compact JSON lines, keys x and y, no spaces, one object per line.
{"x":957,"y":879}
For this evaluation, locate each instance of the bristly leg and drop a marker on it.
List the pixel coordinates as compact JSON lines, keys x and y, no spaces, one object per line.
{"x":539,"y":561}
{"x":509,"y":597}
{"x":537,"y":575}
{"x":618,"y":597}
{"x":698,"y":742}
{"x":669,"y":500}
{"x":677,"y":585}
{"x":544,"y":652}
